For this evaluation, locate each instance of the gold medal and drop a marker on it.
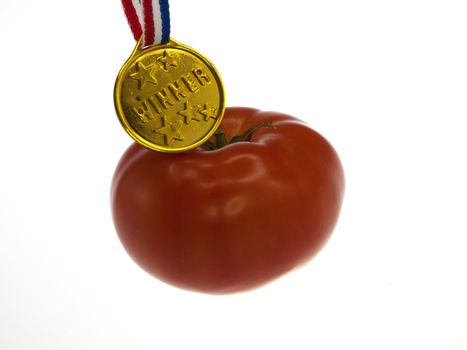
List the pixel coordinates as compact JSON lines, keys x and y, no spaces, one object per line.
{"x":169,"y":98}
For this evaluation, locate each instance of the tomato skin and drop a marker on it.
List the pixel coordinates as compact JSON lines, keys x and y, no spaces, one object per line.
{"x":234,"y":218}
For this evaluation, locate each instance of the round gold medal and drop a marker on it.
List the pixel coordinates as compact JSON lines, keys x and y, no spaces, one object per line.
{"x":169,"y":98}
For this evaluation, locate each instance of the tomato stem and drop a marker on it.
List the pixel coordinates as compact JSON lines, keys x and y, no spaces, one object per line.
{"x":246,"y":136}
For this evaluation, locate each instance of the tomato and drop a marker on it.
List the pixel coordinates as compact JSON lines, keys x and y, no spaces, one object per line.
{"x":233,"y":218}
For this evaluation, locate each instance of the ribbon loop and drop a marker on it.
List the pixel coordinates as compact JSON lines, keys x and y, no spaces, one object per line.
{"x":149,"y":19}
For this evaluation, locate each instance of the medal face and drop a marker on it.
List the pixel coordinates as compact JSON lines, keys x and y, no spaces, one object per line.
{"x":169,"y":98}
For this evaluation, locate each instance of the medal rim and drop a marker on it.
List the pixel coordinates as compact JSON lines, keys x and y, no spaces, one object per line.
{"x":140,"y":51}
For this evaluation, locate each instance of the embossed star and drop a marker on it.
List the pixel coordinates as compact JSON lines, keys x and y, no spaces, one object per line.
{"x":167,"y":60}
{"x":208,"y":112}
{"x":170,"y":130}
{"x":144,"y":74}
{"x":189,"y":113}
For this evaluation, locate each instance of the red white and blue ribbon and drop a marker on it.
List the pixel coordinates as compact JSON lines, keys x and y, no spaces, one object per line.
{"x":149,"y":19}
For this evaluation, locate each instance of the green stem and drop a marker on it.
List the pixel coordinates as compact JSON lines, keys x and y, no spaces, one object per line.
{"x":246,"y":136}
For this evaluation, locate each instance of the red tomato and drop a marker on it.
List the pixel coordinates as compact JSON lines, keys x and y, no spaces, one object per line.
{"x":231,"y":219}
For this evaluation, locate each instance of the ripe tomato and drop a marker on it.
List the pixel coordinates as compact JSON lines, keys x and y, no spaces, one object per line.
{"x":230,"y":219}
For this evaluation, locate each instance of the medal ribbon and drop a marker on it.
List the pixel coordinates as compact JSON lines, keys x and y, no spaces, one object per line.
{"x":149,"y":19}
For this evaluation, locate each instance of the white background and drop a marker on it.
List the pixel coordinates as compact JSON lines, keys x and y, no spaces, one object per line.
{"x":384,"y":81}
